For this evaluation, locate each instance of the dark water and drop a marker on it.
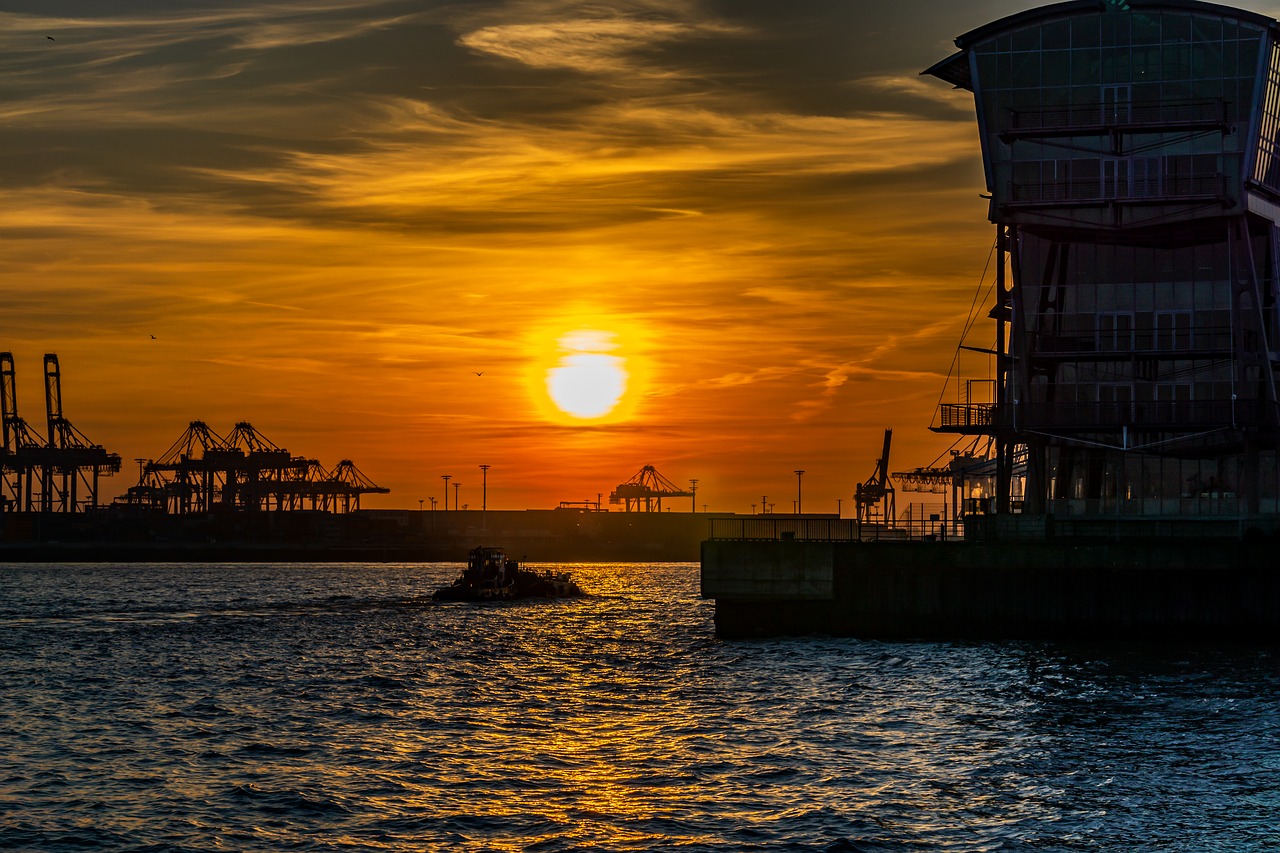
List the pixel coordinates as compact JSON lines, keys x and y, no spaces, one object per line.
{"x":297,"y":707}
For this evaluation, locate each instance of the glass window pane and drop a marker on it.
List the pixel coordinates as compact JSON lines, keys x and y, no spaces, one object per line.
{"x":1028,"y":39}
{"x":1206,"y":29}
{"x":1057,"y":68}
{"x":1085,"y":31}
{"x":1085,"y":66}
{"x":1177,"y":27}
{"x":1057,"y":35}
{"x":1146,"y":28}
{"x":1026,"y":70}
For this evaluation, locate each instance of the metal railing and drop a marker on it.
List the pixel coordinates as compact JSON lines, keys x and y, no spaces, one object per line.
{"x":781,"y":527}
{"x":1165,"y":415}
{"x":968,"y":415}
{"x":1181,"y":343}
{"x":1155,"y":189}
{"x":920,"y":524}
{"x":1204,"y":112}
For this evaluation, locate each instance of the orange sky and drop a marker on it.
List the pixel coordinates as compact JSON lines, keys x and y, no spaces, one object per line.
{"x":333,"y":215}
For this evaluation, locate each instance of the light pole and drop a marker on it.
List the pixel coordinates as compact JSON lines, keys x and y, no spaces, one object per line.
{"x":693,"y":487}
{"x":764,"y":504}
{"x":433,"y":503}
{"x":446,"y":478}
{"x":420,"y":503}
{"x":799,"y":480}
{"x":457,"y":487}
{"x":484,"y":488}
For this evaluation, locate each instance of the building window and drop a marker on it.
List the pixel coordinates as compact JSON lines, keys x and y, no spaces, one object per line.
{"x":1173,"y":331}
{"x":1117,"y":104}
{"x":1115,"y":331}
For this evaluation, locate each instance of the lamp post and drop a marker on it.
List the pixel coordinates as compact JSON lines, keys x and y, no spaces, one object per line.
{"x":693,"y":487}
{"x":799,"y":480}
{"x":446,"y":478}
{"x":420,"y":503}
{"x":764,"y":504}
{"x":484,"y":488}
{"x":457,"y":488}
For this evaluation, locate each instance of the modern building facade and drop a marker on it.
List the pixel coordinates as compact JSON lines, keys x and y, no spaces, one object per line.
{"x":1131,"y":155}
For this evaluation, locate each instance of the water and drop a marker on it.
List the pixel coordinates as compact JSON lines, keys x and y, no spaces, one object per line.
{"x":334,"y":707}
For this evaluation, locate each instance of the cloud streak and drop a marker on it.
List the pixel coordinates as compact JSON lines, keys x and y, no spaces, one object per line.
{"x":330,"y":213}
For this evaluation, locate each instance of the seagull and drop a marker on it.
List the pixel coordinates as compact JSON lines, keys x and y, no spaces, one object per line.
{"x":51,"y":38}
{"x":480,"y":373}
{"x":153,"y":337}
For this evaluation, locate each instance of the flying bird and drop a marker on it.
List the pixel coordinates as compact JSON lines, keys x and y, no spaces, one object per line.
{"x":153,"y":337}
{"x":51,"y":38}
{"x":480,"y":373}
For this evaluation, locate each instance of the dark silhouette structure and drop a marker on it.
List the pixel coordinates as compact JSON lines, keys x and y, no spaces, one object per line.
{"x":1131,"y":156}
{"x":56,"y":473}
{"x":875,"y":500}
{"x":645,"y":490}
{"x":203,"y":472}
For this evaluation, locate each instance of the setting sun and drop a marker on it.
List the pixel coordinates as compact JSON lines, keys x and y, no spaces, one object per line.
{"x":589,"y":381}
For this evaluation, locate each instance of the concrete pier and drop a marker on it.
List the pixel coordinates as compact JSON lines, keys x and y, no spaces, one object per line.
{"x":1201,"y":589}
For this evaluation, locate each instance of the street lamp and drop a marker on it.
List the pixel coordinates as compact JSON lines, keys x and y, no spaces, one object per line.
{"x":457,"y":487}
{"x":484,"y":488}
{"x":420,"y":503}
{"x":799,"y":480}
{"x":764,"y":504}
{"x":693,"y":487}
{"x":446,"y":478}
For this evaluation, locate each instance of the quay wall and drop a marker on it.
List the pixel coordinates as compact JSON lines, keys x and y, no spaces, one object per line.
{"x":556,"y":535}
{"x":1143,"y":590}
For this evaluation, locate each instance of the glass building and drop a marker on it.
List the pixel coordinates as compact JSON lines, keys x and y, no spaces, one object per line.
{"x":1130,"y":151}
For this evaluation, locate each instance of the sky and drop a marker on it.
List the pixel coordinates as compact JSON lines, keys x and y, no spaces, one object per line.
{"x":567,"y":240}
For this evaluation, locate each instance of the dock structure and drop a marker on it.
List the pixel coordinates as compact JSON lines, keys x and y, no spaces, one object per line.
{"x":1131,"y":152}
{"x":203,"y":472}
{"x":1181,"y":587}
{"x":59,"y":472}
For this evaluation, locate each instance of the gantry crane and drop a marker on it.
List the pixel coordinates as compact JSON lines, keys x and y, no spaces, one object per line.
{"x":18,"y":463}
{"x":875,"y":499}
{"x":203,"y":472}
{"x":645,"y":491}
{"x":47,"y":475}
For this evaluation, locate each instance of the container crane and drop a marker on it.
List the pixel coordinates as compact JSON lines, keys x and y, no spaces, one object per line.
{"x":874,"y":499}
{"x":72,"y":458}
{"x":645,"y":491}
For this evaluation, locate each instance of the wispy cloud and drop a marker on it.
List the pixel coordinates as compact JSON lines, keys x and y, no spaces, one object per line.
{"x":394,"y":192}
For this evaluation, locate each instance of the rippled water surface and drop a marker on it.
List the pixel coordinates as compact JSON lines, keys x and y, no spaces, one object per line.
{"x":335,"y":707}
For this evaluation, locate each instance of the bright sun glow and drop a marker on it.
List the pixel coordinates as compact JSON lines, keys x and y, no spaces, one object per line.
{"x":589,"y":381}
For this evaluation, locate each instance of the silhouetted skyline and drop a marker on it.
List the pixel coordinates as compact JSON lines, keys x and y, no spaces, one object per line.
{"x":408,"y":233}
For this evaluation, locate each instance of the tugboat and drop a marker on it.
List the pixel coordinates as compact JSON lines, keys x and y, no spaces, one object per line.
{"x":491,"y":576}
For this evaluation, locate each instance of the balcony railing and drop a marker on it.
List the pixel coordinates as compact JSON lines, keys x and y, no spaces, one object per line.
{"x":976,"y":416}
{"x":1162,"y":189}
{"x":1199,"y":342}
{"x":1159,"y":416}
{"x":782,"y":527}
{"x":1087,"y":119}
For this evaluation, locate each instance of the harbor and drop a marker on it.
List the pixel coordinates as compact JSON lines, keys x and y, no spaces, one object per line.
{"x":1129,"y":403}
